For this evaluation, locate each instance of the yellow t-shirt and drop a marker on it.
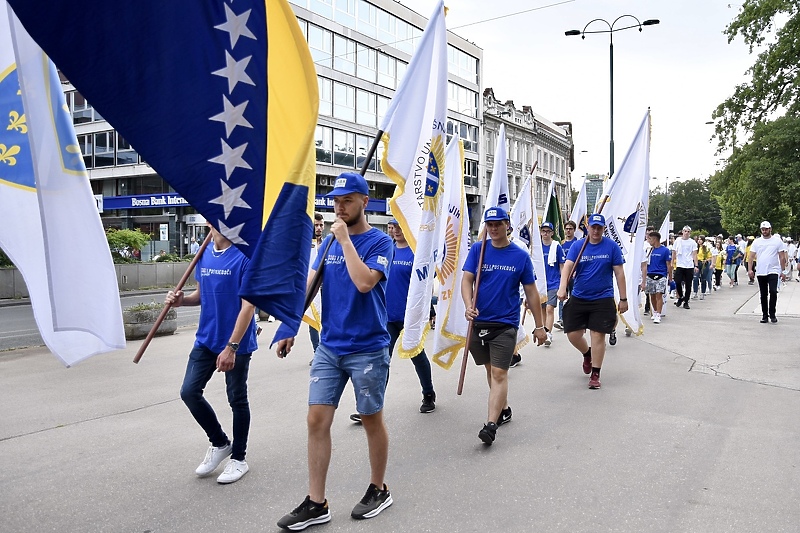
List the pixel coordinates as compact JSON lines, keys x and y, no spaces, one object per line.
{"x":703,"y":253}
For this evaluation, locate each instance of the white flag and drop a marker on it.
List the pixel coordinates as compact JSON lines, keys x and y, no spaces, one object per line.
{"x":579,"y":215}
{"x":525,"y":230}
{"x":45,"y":201}
{"x":453,"y":228}
{"x":497,"y":195}
{"x":625,"y":212}
{"x":664,"y":231}
{"x":414,"y":145}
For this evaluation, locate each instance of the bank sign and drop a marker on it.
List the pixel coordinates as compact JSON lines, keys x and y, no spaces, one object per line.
{"x":144,"y":201}
{"x":324,"y":203}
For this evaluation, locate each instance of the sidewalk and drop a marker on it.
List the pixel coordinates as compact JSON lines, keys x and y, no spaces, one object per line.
{"x":694,"y":430}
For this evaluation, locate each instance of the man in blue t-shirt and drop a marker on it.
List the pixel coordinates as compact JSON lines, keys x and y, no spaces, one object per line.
{"x":224,"y":342}
{"x":591,"y":305}
{"x":495,"y":314}
{"x":354,"y":346}
{"x":553,"y":262}
{"x":656,"y":274}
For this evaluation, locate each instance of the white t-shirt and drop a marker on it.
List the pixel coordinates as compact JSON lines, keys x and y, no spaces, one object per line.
{"x":791,"y":249}
{"x":766,"y":252}
{"x":684,"y":248}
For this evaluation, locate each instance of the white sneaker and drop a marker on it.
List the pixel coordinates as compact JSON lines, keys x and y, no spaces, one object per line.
{"x":233,"y":472}
{"x":549,"y":340}
{"x":214,"y":457}
{"x":703,"y":296}
{"x":657,"y":319}
{"x":271,"y":319}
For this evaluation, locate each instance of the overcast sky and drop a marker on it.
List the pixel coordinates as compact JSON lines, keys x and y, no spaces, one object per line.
{"x":682,"y":69}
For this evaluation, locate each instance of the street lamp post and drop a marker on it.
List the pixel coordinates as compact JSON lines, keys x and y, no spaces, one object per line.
{"x":610,"y":31}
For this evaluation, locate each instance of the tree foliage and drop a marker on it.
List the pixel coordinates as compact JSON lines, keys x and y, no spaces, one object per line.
{"x":760,"y":123}
{"x":692,"y":204}
{"x":122,"y":242}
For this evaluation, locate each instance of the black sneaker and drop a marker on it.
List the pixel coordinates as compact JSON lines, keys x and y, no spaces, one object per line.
{"x":686,"y":305}
{"x":558,"y":324}
{"x":612,"y":339}
{"x":488,"y":433}
{"x":306,"y":514}
{"x":355,"y":417}
{"x":764,"y":320}
{"x":373,"y":502}
{"x":773,"y":319}
{"x":678,"y":302}
{"x":515,"y":360}
{"x":428,"y":403}
{"x":505,"y":416}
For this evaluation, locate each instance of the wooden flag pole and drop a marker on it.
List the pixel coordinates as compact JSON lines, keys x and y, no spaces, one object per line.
{"x":167,"y":306}
{"x":469,"y":323}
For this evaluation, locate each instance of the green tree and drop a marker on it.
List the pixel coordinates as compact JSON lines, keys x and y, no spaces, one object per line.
{"x":4,"y":260}
{"x":123,"y":242}
{"x":760,"y":123}
{"x":692,"y":204}
{"x":658,"y":207}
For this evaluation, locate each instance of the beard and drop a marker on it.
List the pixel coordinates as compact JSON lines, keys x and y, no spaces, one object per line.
{"x":356,"y":219}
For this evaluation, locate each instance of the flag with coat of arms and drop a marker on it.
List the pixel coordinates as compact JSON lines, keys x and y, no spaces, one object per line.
{"x":626,"y":198}
{"x":453,"y":228}
{"x":46,"y":201}
{"x":414,"y":138}
{"x":220,"y":98}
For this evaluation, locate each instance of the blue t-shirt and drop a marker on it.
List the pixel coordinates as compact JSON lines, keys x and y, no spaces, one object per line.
{"x":566,"y":245}
{"x":398,"y":282}
{"x":730,"y":252}
{"x":594,"y":273}
{"x":355,"y":322}
{"x":553,"y":272}
{"x":659,"y":260}
{"x":219,"y":277}
{"x":502,"y":272}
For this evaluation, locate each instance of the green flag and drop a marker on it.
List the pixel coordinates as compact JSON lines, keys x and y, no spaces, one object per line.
{"x":553,"y":215}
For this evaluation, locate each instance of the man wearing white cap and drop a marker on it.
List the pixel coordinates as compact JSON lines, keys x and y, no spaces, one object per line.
{"x":769,"y":253}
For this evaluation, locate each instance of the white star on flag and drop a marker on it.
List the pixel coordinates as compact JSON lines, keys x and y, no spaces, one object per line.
{"x":232,"y":234}
{"x":236,"y":25}
{"x":232,"y":116}
{"x":231,"y":158}
{"x":234,"y":71}
{"x":230,"y":198}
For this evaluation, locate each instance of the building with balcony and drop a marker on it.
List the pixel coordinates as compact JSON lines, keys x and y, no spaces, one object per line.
{"x":529,"y":138}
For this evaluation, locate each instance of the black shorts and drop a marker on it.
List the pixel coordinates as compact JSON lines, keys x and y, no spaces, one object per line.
{"x":595,"y":315}
{"x":495,"y":350}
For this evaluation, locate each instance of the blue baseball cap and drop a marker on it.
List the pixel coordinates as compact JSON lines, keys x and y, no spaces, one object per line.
{"x":495,"y":213}
{"x":597,"y":219}
{"x":548,"y":225}
{"x":349,"y":182}
{"x":394,"y":221}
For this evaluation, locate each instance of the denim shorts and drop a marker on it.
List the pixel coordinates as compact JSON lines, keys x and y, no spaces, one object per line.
{"x":330,"y":372}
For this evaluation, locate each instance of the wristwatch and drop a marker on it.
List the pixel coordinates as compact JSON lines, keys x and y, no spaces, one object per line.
{"x":234,"y":346}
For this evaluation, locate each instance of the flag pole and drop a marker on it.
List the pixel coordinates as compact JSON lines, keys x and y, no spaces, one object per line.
{"x":316,"y":281}
{"x":168,"y":306}
{"x":470,"y":322}
{"x":534,"y":223}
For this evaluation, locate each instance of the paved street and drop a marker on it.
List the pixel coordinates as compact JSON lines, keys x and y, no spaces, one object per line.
{"x":695,"y":430}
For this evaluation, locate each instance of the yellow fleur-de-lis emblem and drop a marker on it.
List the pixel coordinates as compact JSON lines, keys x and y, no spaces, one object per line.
{"x":7,"y":154}
{"x":17,"y":122}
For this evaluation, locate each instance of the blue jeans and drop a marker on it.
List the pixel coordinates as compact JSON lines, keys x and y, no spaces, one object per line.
{"x":703,"y":277}
{"x":314,"y":336}
{"x":421,"y":362}
{"x":201,"y":366}
{"x":330,"y":373}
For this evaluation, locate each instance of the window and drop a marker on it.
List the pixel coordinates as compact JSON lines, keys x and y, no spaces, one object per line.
{"x":325,"y":96}
{"x":81,"y":110}
{"x":344,"y":149}
{"x":346,"y":13}
{"x":344,"y":55}
{"x":344,"y":102}
{"x":322,"y":7}
{"x":366,"y":108}
{"x":104,"y":149}
{"x":363,"y":144}
{"x":320,"y":42}
{"x":402,"y":66}
{"x":367,"y":19}
{"x":126,"y":155}
{"x":386,"y":70}
{"x":383,"y":106}
{"x":86,"y":143}
{"x":322,"y":140}
{"x":387,"y":27}
{"x":404,"y":37}
{"x":367,"y":67}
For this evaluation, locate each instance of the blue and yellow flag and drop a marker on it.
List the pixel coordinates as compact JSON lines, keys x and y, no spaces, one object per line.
{"x":220,"y":98}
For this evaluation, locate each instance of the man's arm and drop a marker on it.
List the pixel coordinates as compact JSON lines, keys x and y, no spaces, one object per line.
{"x":619,"y":273}
{"x":227,"y":358}
{"x":467,"y":291}
{"x":535,"y":305}
{"x":562,"y":287}
{"x":363,"y":277}
{"x":181,"y":299}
